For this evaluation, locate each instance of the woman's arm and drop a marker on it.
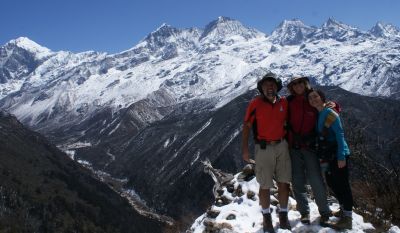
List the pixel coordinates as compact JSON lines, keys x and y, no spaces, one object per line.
{"x":339,"y":135}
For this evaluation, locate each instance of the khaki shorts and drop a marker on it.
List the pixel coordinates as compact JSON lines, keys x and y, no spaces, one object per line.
{"x":273,"y":163}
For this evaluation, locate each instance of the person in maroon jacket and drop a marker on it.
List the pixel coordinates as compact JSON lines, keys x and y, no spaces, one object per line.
{"x":305,"y":163}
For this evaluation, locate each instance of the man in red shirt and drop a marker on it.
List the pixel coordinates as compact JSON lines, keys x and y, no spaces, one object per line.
{"x":266,"y":115}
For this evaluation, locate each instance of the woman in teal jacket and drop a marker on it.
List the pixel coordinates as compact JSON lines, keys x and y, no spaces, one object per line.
{"x":336,"y":151}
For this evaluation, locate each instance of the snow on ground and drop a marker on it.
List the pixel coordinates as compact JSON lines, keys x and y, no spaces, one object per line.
{"x":248,"y":217}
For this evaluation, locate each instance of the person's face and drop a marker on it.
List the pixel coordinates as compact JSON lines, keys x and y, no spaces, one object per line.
{"x":269,"y":88}
{"x":315,"y":100}
{"x":299,"y":87}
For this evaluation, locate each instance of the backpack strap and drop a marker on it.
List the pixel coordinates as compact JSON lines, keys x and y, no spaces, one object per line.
{"x":288,"y":127}
{"x":254,"y":125}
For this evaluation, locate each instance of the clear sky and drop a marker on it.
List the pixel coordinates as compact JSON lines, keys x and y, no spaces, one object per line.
{"x":116,"y":25}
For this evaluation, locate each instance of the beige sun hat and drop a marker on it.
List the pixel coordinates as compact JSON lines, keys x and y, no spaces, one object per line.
{"x":297,"y":78}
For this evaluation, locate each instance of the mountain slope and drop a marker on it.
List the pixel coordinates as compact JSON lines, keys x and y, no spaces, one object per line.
{"x":42,"y":190}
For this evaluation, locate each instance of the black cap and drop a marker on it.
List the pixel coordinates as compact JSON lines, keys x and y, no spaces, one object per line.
{"x":269,"y":76}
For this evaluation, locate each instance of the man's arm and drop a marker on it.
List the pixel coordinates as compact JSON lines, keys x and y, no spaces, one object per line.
{"x":245,"y":142}
{"x":334,"y":105}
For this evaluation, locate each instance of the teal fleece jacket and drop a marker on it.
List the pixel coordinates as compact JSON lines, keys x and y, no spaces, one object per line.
{"x":330,"y":119}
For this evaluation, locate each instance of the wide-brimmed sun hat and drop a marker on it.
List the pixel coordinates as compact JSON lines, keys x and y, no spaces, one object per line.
{"x":269,"y":76}
{"x":295,"y":79}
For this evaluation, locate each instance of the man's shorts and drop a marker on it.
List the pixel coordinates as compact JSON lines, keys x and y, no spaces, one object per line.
{"x":273,"y":163}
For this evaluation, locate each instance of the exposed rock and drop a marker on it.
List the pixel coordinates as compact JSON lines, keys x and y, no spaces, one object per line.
{"x":247,"y":173}
{"x":219,"y":202}
{"x":274,"y":201}
{"x":220,"y":178}
{"x":273,"y":191}
{"x":231,"y":217}
{"x":220,"y":191}
{"x":238,"y":192}
{"x":248,"y":170}
{"x":213,"y":227}
{"x":251,"y":195}
{"x":230,"y":188}
{"x":211,"y":213}
{"x":226,"y":200}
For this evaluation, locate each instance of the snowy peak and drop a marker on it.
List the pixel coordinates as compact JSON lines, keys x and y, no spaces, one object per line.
{"x":166,"y":41}
{"x":220,"y":21}
{"x":30,"y":46}
{"x":333,"y":29}
{"x":159,"y":37}
{"x":332,"y":23}
{"x":224,"y":19}
{"x":385,"y":30}
{"x":225,"y":27}
{"x":18,"y":58}
{"x":164,"y":31}
{"x":291,"y":32}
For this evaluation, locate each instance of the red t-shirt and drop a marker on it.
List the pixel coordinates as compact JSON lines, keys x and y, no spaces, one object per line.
{"x":267,"y":118}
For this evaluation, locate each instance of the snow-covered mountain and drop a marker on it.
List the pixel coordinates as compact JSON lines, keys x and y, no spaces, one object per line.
{"x":291,"y":32}
{"x":150,"y":113}
{"x":333,"y":29}
{"x":385,"y":30}
{"x":18,"y":59}
{"x":188,"y":64}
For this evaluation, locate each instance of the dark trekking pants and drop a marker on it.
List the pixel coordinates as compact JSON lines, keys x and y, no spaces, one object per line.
{"x":338,"y":180}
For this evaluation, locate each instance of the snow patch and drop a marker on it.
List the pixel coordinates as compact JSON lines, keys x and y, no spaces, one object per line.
{"x":84,"y":163}
{"x":116,"y":127}
{"x":248,"y":217}
{"x":75,"y":145}
{"x":70,"y":153}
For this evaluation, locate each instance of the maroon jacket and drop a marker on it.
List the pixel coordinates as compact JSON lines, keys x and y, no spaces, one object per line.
{"x":302,"y":121}
{"x":302,"y":118}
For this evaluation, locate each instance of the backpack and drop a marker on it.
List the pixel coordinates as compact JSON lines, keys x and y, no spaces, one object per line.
{"x":325,"y":150}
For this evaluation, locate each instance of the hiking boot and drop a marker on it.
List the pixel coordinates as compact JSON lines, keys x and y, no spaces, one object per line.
{"x":337,"y":213}
{"x":305,"y":219}
{"x":267,"y":223}
{"x":324,"y":220}
{"x":284,"y":221}
{"x":346,"y":222}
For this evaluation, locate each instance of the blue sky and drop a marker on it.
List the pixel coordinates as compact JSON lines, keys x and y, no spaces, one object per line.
{"x":116,"y":25}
